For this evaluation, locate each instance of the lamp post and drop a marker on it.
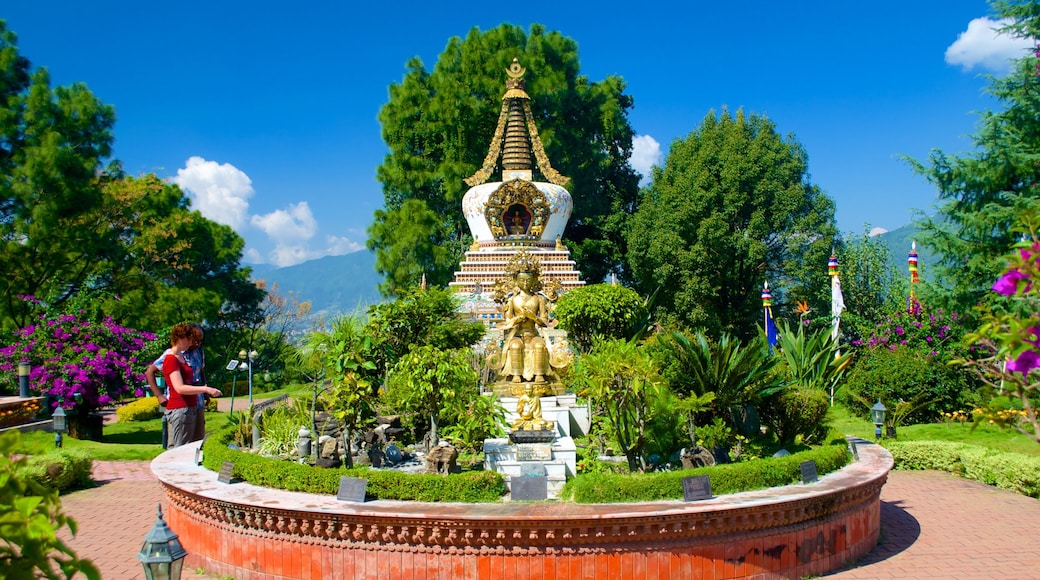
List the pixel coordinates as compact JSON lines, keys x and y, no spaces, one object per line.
{"x":877,"y":416}
{"x":250,"y":356}
{"x":58,"y":420}
{"x":162,"y":554}
{"x":23,"y":379}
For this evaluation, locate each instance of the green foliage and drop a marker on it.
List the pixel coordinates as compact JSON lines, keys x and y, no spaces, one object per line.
{"x":717,"y":379}
{"x":812,"y":360}
{"x":62,"y":469}
{"x":725,"y":479}
{"x":797,"y":412}
{"x":30,"y":516}
{"x":905,"y":374}
{"x":418,"y":318}
{"x":733,"y":204}
{"x":1007,"y":341}
{"x":934,"y":332}
{"x":622,"y":380}
{"x":438,"y":125}
{"x":482,"y":418}
{"x":869,"y":284}
{"x":142,"y":409}
{"x":1012,"y":471}
{"x":280,"y":428}
{"x":434,"y":383}
{"x":471,"y":487}
{"x":601,"y":311}
{"x":981,"y":192}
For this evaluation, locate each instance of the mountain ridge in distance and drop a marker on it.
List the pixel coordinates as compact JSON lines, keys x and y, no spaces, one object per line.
{"x":334,"y":285}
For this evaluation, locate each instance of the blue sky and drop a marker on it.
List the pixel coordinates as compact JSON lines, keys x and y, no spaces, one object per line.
{"x":266,"y":112}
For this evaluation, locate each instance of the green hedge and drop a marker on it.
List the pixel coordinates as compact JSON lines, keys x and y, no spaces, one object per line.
{"x":725,"y":479}
{"x":61,"y":469}
{"x":1011,"y":471}
{"x":469,"y":487}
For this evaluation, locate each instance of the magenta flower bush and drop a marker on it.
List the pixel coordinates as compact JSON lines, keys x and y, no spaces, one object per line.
{"x":935,"y":333}
{"x":1008,"y":337}
{"x":79,"y":363}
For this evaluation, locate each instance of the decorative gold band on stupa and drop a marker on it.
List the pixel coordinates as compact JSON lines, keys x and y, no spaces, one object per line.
{"x":516,"y":136}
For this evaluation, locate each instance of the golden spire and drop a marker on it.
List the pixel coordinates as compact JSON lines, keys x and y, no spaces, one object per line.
{"x":516,"y":136}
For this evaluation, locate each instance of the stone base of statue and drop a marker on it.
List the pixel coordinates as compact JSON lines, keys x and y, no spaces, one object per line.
{"x":548,"y":452}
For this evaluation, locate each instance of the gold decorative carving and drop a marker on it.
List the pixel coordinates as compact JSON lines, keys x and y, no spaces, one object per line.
{"x":551,"y":174}
{"x":512,"y":193}
{"x":485,"y":171}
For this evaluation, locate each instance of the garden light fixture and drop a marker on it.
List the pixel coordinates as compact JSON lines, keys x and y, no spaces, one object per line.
{"x":877,"y":416}
{"x":23,"y":379}
{"x":162,"y":554}
{"x":58,"y":420}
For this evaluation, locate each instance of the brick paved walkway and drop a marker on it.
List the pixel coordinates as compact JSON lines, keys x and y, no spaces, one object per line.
{"x":934,"y":525}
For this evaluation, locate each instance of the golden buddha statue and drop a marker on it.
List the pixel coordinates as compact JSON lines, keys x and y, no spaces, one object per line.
{"x":529,"y":409}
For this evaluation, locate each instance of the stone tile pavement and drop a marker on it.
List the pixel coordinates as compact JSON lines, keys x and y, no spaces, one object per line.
{"x":934,"y":525}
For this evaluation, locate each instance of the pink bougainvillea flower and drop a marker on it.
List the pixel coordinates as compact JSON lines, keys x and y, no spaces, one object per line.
{"x":1008,"y":283}
{"x":1024,"y":363}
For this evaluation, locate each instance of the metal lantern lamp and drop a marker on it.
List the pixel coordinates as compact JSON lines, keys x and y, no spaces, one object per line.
{"x":162,"y":554}
{"x":877,"y":416}
{"x":250,"y":357}
{"x":59,"y":425}
{"x":23,"y":379}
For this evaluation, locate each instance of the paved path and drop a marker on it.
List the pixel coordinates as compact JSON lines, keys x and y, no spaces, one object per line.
{"x":934,"y":525}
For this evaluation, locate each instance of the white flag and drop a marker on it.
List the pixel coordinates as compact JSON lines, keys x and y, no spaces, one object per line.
{"x":837,"y":305}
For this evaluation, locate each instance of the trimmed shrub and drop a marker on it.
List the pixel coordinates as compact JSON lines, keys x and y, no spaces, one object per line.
{"x":61,"y":470}
{"x":906,"y":374}
{"x":797,"y":411}
{"x":469,"y":487}
{"x":730,"y":478}
{"x":143,"y":409}
{"x":1012,"y":471}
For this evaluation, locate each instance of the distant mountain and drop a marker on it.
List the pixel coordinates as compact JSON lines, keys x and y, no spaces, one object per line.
{"x":899,"y":242}
{"x":334,"y":284}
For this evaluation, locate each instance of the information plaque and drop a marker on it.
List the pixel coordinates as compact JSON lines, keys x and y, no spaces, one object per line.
{"x":808,"y":471}
{"x":696,"y":488}
{"x":226,"y":475}
{"x":352,"y":489}
{"x":533,"y":452}
{"x":528,"y":488}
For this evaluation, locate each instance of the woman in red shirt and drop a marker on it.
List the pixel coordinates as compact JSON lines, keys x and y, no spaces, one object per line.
{"x":181,"y":407}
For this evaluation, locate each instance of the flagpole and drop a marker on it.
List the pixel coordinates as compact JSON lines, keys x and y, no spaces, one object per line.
{"x":837,"y":305}
{"x":911,"y":264}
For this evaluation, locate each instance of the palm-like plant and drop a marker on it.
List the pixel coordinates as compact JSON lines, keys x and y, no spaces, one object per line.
{"x":720,"y":377}
{"x":813,"y":360}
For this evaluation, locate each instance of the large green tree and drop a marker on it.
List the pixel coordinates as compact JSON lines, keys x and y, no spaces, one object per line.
{"x":52,"y":145}
{"x":981,"y":192}
{"x":438,"y":126}
{"x":732,"y":207}
{"x":82,"y":237}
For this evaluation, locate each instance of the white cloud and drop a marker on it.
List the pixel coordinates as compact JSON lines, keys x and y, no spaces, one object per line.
{"x":982,"y":46}
{"x":252,"y":256}
{"x":876,"y":232}
{"x":338,"y":245}
{"x":294,"y":224}
{"x":220,"y":192}
{"x":646,"y":152}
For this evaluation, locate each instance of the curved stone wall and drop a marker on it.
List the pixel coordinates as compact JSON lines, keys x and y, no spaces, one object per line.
{"x":248,"y":532}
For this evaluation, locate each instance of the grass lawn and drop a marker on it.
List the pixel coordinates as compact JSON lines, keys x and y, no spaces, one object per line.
{"x":984,"y":435}
{"x":133,"y":441}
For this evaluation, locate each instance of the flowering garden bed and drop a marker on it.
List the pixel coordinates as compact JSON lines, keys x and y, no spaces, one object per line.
{"x":16,"y":411}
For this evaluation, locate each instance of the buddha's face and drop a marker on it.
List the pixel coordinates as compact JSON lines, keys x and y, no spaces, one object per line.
{"x":525,"y":281}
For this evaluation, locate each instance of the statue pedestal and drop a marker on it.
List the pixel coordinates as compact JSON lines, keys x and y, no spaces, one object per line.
{"x":556,"y":460}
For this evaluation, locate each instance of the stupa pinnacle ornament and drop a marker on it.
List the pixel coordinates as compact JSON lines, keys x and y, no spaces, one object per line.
{"x":515,"y":137}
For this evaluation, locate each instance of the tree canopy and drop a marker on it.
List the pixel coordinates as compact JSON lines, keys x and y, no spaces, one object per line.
{"x":438,"y":126}
{"x":78,"y":236}
{"x":732,"y":207}
{"x":980,"y":193}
